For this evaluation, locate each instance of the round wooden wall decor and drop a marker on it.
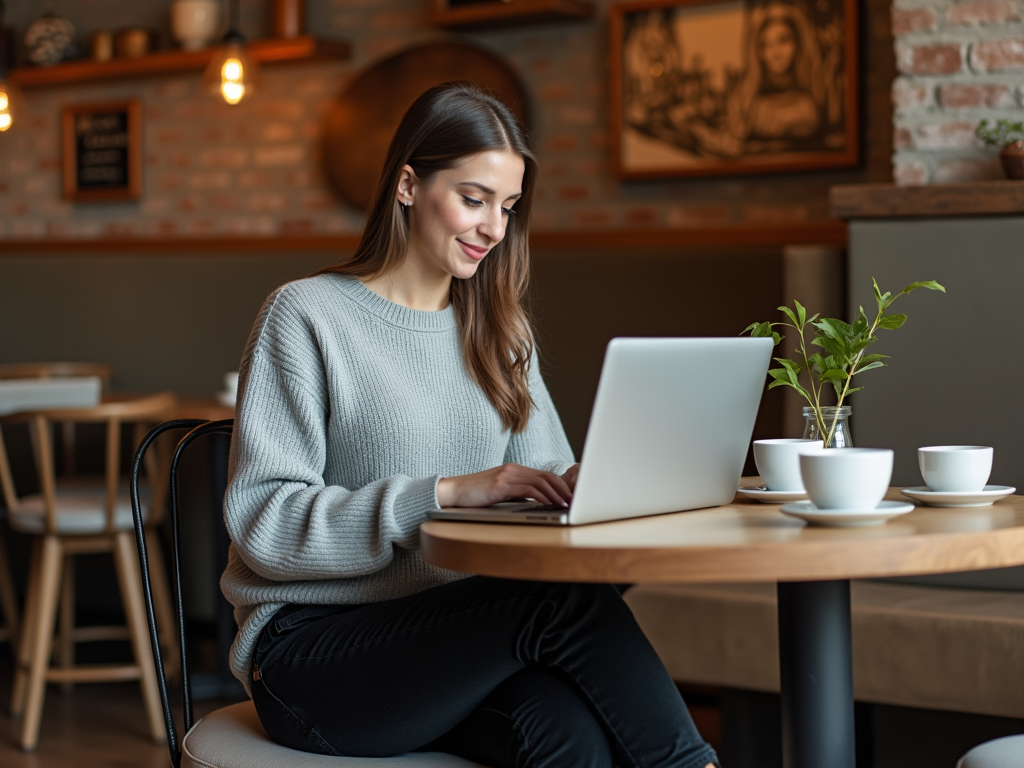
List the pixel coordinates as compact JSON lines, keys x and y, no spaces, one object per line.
{"x":362,"y":120}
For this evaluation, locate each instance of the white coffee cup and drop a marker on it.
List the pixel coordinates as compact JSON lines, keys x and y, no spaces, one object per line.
{"x":853,"y":479}
{"x":778,"y":461}
{"x":231,"y":382}
{"x":955,"y":468}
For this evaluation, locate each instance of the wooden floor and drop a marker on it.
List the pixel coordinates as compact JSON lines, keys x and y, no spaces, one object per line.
{"x":101,"y":725}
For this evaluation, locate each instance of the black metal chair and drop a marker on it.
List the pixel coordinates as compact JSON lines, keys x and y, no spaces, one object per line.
{"x":230,"y":737}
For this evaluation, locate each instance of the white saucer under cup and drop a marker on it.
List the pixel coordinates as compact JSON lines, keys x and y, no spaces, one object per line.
{"x":955,"y":468}
{"x":778,"y":462}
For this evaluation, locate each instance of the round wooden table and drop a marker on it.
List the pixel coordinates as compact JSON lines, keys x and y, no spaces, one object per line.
{"x":751,"y":542}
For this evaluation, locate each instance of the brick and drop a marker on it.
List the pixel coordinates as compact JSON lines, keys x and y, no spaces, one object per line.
{"x":180,"y":159}
{"x":695,"y":216}
{"x":562,"y":143}
{"x":49,"y":164}
{"x":600,"y":140}
{"x":199,"y":227}
{"x":908,"y":95}
{"x":574,"y":193}
{"x":299,"y":178}
{"x":20,"y":165}
{"x":212,"y":180}
{"x":998,"y":56}
{"x":595,"y":218}
{"x":296,"y":226}
{"x":542,"y":65}
{"x":276,"y":132}
{"x":965,"y":95}
{"x":224,"y":157}
{"x":983,"y":13}
{"x":279,"y":109}
{"x":155,"y":205}
{"x":554,"y":170}
{"x":27,"y":228}
{"x":940,"y":59}
{"x":174,"y":88}
{"x":254,"y":179}
{"x":37,"y":185}
{"x":642,"y":217}
{"x":188,"y":204}
{"x":957,"y":170}
{"x":266,"y":202}
{"x":907,"y":20}
{"x":578,"y":116}
{"x":18,"y":208}
{"x":318,"y":201}
{"x":287,"y":154}
{"x":958,"y":135}
{"x":223,"y":201}
{"x":770,"y":214}
{"x":556,"y":92}
{"x":168,"y":182}
{"x":902,"y":139}
{"x":169,"y":136}
{"x":120,"y":229}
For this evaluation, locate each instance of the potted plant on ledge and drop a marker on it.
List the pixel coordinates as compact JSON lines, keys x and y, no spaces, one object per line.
{"x":842,"y":357}
{"x":1010,"y":137}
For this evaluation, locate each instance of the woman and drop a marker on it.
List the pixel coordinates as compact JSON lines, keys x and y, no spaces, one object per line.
{"x":403,"y":380}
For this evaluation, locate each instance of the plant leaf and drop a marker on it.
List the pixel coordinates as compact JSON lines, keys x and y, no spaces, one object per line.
{"x":834,"y":374}
{"x":868,"y":367}
{"x":931,"y":285}
{"x":779,"y":374}
{"x":788,"y":313}
{"x":892,"y":322}
{"x":829,"y":345}
{"x":801,"y":313}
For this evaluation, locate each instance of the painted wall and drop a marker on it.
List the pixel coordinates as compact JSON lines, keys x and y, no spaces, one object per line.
{"x":211,"y":169}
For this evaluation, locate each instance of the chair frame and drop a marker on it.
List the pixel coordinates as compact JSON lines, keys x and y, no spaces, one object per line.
{"x":196,"y":428}
{"x":52,"y":551}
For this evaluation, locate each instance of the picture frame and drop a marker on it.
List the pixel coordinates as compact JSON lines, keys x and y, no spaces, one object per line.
{"x":731,"y":87}
{"x":102,"y":151}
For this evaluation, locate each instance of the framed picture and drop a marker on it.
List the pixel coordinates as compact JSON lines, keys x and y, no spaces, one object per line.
{"x":103,"y":151}
{"x":715,"y":87}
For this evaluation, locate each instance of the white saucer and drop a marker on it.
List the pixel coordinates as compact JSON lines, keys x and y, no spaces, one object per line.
{"x":983,"y":498}
{"x":847,"y":518}
{"x":762,"y":494}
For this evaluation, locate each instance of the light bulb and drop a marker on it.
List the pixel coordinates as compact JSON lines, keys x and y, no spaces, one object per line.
{"x":11,"y":105}
{"x":5,"y":120}
{"x":231,"y":75}
{"x":232,"y":92}
{"x":5,"y":103}
{"x":231,"y":71}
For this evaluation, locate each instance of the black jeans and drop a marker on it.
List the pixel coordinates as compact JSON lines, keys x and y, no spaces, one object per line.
{"x":505,"y":673}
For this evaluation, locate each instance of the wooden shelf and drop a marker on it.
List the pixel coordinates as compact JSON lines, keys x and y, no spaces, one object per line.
{"x":827,"y":233}
{"x":978,"y":198}
{"x":300,"y":49}
{"x":502,"y":14}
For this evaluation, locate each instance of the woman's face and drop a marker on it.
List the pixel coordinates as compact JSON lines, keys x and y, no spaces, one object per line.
{"x":777,"y":47}
{"x":462,"y":213}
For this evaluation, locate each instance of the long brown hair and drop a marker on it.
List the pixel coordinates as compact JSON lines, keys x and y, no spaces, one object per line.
{"x":444,"y":126}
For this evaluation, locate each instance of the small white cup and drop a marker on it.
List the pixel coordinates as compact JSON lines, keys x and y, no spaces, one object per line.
{"x":231,"y":382}
{"x":955,"y":468}
{"x":778,"y":461}
{"x":853,"y":479}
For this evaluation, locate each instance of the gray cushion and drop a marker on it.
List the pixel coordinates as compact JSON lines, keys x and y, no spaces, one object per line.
{"x":1001,"y":753}
{"x":80,"y":512}
{"x":232,"y":737}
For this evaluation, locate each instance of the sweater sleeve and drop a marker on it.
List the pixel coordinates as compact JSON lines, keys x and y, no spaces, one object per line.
{"x":285,"y":521}
{"x":543,"y":444}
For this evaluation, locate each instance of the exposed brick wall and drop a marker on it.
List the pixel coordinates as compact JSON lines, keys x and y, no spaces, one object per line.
{"x":255,"y":169}
{"x":958,"y":62}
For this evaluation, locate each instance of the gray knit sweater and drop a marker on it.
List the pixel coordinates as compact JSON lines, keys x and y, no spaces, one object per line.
{"x":350,"y":409}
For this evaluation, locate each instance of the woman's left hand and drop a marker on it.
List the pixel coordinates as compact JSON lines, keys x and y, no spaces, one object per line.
{"x":570,"y":476}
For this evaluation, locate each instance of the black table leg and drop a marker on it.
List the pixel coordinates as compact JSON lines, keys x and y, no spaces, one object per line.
{"x":816,"y":675}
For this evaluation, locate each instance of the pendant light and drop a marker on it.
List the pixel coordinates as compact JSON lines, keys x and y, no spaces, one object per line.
{"x":231,"y":74}
{"x":10,"y":94}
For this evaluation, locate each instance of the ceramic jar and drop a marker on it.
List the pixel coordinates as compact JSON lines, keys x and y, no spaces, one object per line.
{"x":1012,"y":159}
{"x":195,"y":23}
{"x":287,"y":18}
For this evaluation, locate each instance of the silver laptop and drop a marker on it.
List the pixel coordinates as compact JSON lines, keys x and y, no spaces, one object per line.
{"x":669,"y":431}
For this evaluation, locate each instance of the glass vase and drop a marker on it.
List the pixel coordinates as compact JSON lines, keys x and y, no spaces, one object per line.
{"x":842,"y":438}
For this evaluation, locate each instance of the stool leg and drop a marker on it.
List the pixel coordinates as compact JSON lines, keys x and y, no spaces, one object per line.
{"x":8,"y":600}
{"x":49,"y":586}
{"x":66,"y":641}
{"x":163,"y":606}
{"x":128,"y":575}
{"x":27,"y":640}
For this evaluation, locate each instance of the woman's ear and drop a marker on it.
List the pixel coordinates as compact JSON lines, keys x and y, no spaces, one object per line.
{"x":407,"y":183}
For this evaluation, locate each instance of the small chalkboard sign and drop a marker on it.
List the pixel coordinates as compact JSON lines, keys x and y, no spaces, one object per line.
{"x":103,"y":152}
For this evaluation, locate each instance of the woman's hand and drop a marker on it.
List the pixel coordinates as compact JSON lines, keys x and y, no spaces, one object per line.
{"x":570,"y":476}
{"x":509,"y":481}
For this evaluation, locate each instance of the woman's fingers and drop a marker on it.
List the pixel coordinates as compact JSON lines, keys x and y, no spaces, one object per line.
{"x":502,"y":483}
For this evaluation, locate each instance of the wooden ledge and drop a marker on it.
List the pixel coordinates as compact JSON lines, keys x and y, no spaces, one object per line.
{"x":979,"y":198}
{"x":825,"y":233}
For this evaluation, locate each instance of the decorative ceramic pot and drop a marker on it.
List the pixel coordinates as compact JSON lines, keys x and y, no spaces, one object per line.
{"x":1012,"y":158}
{"x":195,"y":23}
{"x":50,"y":40}
{"x":287,"y":18}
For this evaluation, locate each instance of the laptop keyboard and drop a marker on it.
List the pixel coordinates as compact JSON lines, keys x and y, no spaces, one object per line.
{"x":544,"y":508}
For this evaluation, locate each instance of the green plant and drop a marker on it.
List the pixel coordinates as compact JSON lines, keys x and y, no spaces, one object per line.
{"x":843,"y":344}
{"x":1001,"y":133}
